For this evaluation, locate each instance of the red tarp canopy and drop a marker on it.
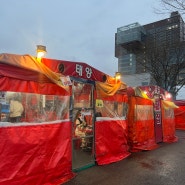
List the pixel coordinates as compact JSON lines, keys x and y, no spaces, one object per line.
{"x":180,"y":114}
{"x":111,"y":140}
{"x":44,"y":149}
{"x":23,"y":74}
{"x":33,"y":153}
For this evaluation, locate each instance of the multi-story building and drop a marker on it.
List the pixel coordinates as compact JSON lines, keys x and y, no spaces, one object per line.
{"x":131,"y":42}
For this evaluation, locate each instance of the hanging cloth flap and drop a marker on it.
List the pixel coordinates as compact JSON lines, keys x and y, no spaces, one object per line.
{"x":29,"y":62}
{"x":109,"y":89}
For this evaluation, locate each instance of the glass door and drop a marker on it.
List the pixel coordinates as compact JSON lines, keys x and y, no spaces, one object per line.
{"x":83,"y":126}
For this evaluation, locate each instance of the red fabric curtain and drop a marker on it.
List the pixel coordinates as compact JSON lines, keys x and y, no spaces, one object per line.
{"x":168,"y":126}
{"x":17,"y":85}
{"x":13,"y":78}
{"x":180,"y":117}
{"x":141,"y":133}
{"x":110,"y":141}
{"x":35,"y":154}
{"x":22,"y":73}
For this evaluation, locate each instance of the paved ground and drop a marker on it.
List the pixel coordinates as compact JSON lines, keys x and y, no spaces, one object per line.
{"x":162,"y":166}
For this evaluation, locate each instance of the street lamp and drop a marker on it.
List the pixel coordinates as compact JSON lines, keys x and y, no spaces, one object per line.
{"x":41,"y":51}
{"x":117,"y":76}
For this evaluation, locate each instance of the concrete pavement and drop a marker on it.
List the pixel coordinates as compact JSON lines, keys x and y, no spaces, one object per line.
{"x":162,"y":166}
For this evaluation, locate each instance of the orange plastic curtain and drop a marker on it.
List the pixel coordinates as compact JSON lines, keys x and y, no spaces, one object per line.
{"x":141,"y":124}
{"x":168,"y":125}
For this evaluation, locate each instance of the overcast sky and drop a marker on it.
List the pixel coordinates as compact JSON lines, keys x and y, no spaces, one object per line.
{"x":74,"y":30}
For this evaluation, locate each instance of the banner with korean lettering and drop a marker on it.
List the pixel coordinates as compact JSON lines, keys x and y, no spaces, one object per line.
{"x":75,"y":69}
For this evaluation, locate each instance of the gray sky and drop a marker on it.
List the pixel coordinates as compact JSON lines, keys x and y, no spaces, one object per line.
{"x":74,"y":30}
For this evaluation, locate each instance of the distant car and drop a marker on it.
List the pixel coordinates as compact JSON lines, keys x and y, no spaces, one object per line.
{"x":5,"y":110}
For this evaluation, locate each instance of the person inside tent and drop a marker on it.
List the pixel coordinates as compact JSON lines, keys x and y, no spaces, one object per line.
{"x":80,"y":128}
{"x":16,"y":109}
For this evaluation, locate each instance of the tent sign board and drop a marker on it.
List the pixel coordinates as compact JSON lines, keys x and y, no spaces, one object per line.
{"x":157,"y":119}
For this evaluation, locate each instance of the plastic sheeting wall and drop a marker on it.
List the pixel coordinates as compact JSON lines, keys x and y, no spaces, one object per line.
{"x":111,"y":131}
{"x":168,"y":125}
{"x":180,"y":117}
{"x":141,"y":134}
{"x":35,"y":154}
{"x":111,"y":141}
{"x":141,"y":127}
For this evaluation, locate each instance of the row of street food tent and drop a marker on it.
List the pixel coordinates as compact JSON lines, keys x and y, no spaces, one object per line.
{"x":44,"y":147}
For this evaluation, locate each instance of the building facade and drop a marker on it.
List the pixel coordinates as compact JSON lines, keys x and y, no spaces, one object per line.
{"x":132,"y":43}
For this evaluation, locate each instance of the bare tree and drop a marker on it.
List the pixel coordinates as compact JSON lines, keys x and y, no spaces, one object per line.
{"x":166,"y":66}
{"x":173,"y":64}
{"x":168,"y":6}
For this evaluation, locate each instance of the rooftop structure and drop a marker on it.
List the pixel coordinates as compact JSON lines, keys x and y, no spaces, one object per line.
{"x":132,"y":40}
